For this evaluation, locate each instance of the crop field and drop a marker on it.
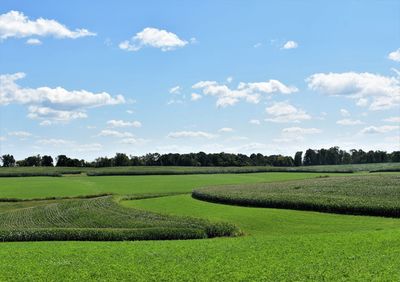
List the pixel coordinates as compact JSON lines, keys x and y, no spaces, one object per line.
{"x":368,"y":194}
{"x":173,"y":170}
{"x":274,"y":244}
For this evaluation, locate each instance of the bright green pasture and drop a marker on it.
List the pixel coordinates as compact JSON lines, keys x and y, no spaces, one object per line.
{"x":281,"y":245}
{"x":41,"y":187}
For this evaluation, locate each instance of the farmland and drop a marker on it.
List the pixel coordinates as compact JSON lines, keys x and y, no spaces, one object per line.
{"x":174,"y":170}
{"x":277,"y":244}
{"x":368,"y":194}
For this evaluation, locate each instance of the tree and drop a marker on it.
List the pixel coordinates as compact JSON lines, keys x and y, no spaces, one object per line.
{"x":47,"y":161}
{"x":62,"y":160}
{"x":298,"y":158}
{"x":310,"y":157}
{"x":8,"y":160}
{"x":121,"y":159}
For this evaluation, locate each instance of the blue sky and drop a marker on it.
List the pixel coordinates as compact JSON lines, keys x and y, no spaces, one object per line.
{"x":92,"y":78}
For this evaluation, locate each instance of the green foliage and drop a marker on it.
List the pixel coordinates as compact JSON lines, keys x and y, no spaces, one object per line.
{"x":366,"y":195}
{"x":100,"y":218}
{"x":100,"y":234}
{"x":43,"y":187}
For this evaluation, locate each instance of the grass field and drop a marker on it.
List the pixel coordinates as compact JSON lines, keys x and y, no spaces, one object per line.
{"x":42,"y":187}
{"x":377,"y":194}
{"x":278,"y":245}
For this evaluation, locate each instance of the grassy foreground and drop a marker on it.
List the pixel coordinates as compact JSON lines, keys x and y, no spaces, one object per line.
{"x":280,"y":245}
{"x":377,"y":195}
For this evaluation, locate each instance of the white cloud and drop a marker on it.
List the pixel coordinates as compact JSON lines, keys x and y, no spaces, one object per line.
{"x":133,"y":141}
{"x":175,"y":90}
{"x":121,"y":123}
{"x":229,"y":79}
{"x":195,"y":96}
{"x":130,"y":112}
{"x":191,"y":134}
{"x":344,"y":112}
{"x":379,"y":129}
{"x":257,"y":45}
{"x":301,"y":130}
{"x":395,"y":55}
{"x":56,"y":104}
{"x":70,"y":145}
{"x":226,"y":129}
{"x":153,"y":37}
{"x":285,"y":112}
{"x":2,"y":138}
{"x":114,"y":133}
{"x":347,"y":121}
{"x":377,"y":91}
{"x":290,"y":45}
{"x":15,"y":24}
{"x":22,"y":134}
{"x":53,"y":116}
{"x":255,"y":121}
{"x":392,"y":119}
{"x":33,"y":41}
{"x":249,"y":92}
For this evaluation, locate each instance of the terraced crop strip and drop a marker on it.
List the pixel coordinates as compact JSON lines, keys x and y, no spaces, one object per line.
{"x":100,"y":218}
{"x":377,"y":195}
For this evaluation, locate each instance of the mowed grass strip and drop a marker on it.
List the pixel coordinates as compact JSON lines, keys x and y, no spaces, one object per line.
{"x":99,"y":219}
{"x":377,"y":195}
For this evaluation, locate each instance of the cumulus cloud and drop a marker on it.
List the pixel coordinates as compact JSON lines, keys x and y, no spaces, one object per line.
{"x":22,"y":134}
{"x":344,"y":112}
{"x":377,"y":91}
{"x":121,"y":123}
{"x":153,"y":37}
{"x":301,"y":130}
{"x":255,"y":121}
{"x":33,"y":41}
{"x":250,"y":92}
{"x":115,"y":133}
{"x":191,"y":134}
{"x":195,"y":96}
{"x":290,"y":45}
{"x":226,"y":129}
{"x":175,"y":90}
{"x":348,"y":121}
{"x":379,"y":129}
{"x":285,"y":112}
{"x":56,"y":104}
{"x":70,"y":145}
{"x":395,"y":55}
{"x":15,"y":24}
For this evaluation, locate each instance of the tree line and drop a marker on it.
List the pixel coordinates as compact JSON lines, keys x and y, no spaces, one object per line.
{"x":331,"y":156}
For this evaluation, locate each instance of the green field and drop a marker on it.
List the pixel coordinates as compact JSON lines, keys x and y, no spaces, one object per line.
{"x":278,"y":244}
{"x":374,"y":194}
{"x":167,"y":170}
{"x":42,"y":187}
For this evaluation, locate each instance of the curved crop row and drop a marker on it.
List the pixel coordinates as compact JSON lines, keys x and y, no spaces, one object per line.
{"x":376,"y":195}
{"x":100,"y":218}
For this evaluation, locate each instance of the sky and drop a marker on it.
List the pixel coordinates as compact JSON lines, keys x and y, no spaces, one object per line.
{"x":92,"y":78}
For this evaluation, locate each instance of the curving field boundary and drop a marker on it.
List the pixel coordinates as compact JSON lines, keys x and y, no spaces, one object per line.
{"x":99,"y":219}
{"x":375,"y":195}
